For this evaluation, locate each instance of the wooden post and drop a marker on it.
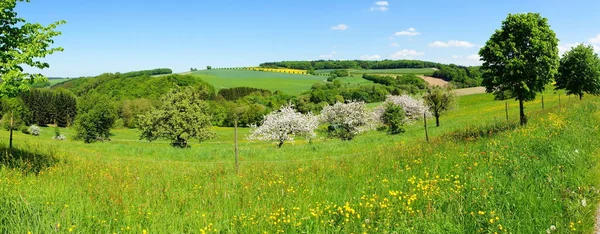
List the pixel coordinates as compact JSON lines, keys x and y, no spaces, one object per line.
{"x":425,"y":121}
{"x":12,"y":122}
{"x":542,"y":101}
{"x":235,"y":142}
{"x":506,"y":109}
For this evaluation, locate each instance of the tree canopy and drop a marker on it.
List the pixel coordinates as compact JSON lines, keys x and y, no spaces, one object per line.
{"x":182,"y":115}
{"x":579,"y":71}
{"x":22,"y":44}
{"x":521,"y":57}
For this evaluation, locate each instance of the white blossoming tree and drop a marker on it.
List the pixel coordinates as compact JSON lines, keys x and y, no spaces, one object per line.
{"x":413,"y":108}
{"x":346,"y":120}
{"x":284,"y":124}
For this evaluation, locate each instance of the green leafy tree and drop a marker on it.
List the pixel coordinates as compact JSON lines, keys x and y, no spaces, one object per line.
{"x":183,"y":115}
{"x":22,"y":44}
{"x":521,"y":57}
{"x":579,"y":71}
{"x":394,"y":117}
{"x":96,"y":116}
{"x":439,"y":101}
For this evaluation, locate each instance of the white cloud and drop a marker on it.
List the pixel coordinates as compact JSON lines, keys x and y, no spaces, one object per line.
{"x":566,"y":47}
{"x":452,"y":43}
{"x":395,"y":44}
{"x":406,"y":54}
{"x":470,"y":60}
{"x":340,"y":27}
{"x":410,"y":32}
{"x":474,"y":57}
{"x":595,"y":40}
{"x":380,"y":6}
{"x":328,"y":56}
{"x":370,"y":57}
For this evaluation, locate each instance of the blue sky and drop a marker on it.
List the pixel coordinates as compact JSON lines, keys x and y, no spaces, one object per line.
{"x":119,"y":36}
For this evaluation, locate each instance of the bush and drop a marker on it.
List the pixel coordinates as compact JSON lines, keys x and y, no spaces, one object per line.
{"x":59,"y":137}
{"x":34,"y":130}
{"x":393,"y":117}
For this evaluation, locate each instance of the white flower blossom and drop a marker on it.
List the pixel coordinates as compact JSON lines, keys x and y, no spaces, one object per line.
{"x":353,"y":117}
{"x":413,"y":108}
{"x":282,"y":125}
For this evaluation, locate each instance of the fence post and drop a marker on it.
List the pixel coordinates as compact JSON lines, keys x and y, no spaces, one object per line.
{"x":425,"y":121}
{"x":506,"y":111}
{"x":542,"y":101}
{"x":235,"y":142}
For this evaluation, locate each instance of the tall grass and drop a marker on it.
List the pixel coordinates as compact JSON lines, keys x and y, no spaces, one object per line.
{"x":512,"y":179}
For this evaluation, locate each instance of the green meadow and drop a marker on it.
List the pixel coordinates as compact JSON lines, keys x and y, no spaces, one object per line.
{"x":292,"y":84}
{"x":479,"y":174}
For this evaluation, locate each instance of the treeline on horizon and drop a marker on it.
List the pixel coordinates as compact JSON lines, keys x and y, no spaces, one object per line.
{"x":350,"y":64}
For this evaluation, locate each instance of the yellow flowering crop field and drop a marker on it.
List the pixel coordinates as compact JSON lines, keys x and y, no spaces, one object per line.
{"x":282,"y":70}
{"x":479,"y":174}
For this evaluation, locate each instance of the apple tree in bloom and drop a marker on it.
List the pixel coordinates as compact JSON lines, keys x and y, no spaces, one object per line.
{"x":346,"y":120}
{"x":413,"y":108}
{"x":284,"y":124}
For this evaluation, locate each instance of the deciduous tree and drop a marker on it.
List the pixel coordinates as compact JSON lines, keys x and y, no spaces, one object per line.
{"x":22,"y":44}
{"x":284,"y":124}
{"x":520,"y":57}
{"x":346,"y":120}
{"x":579,"y":71}
{"x":182,"y":115}
{"x":439,"y":101}
{"x":96,"y":116}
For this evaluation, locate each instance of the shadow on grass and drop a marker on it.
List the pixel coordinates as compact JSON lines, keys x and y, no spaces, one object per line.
{"x":31,"y":160}
{"x":472,"y":133}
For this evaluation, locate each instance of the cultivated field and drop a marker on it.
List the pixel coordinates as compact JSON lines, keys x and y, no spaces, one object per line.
{"x":292,"y":84}
{"x":416,"y":71}
{"x":477,"y":175}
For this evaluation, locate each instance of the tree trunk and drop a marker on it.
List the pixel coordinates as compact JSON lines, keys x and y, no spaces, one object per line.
{"x":12,"y":123}
{"x":280,"y":144}
{"x":437,"y":120}
{"x":580,"y":96}
{"x":523,"y":118}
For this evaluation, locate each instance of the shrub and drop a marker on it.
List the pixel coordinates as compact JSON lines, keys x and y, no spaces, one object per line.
{"x":59,"y":137}
{"x":34,"y":130}
{"x":393,"y":117}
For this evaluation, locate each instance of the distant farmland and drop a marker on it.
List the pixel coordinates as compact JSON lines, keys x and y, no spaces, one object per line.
{"x":417,"y":71}
{"x":292,"y":84}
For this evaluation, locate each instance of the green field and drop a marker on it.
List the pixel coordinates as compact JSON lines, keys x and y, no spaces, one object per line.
{"x":56,"y":81}
{"x":292,"y":84}
{"x":477,"y":175}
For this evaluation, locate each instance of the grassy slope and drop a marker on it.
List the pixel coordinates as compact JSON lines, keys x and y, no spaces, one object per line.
{"x":288,"y":83}
{"x":529,"y":178}
{"x":56,"y":81}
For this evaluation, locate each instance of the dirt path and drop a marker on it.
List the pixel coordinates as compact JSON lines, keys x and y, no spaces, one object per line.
{"x":434,"y":81}
{"x":597,"y":226}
